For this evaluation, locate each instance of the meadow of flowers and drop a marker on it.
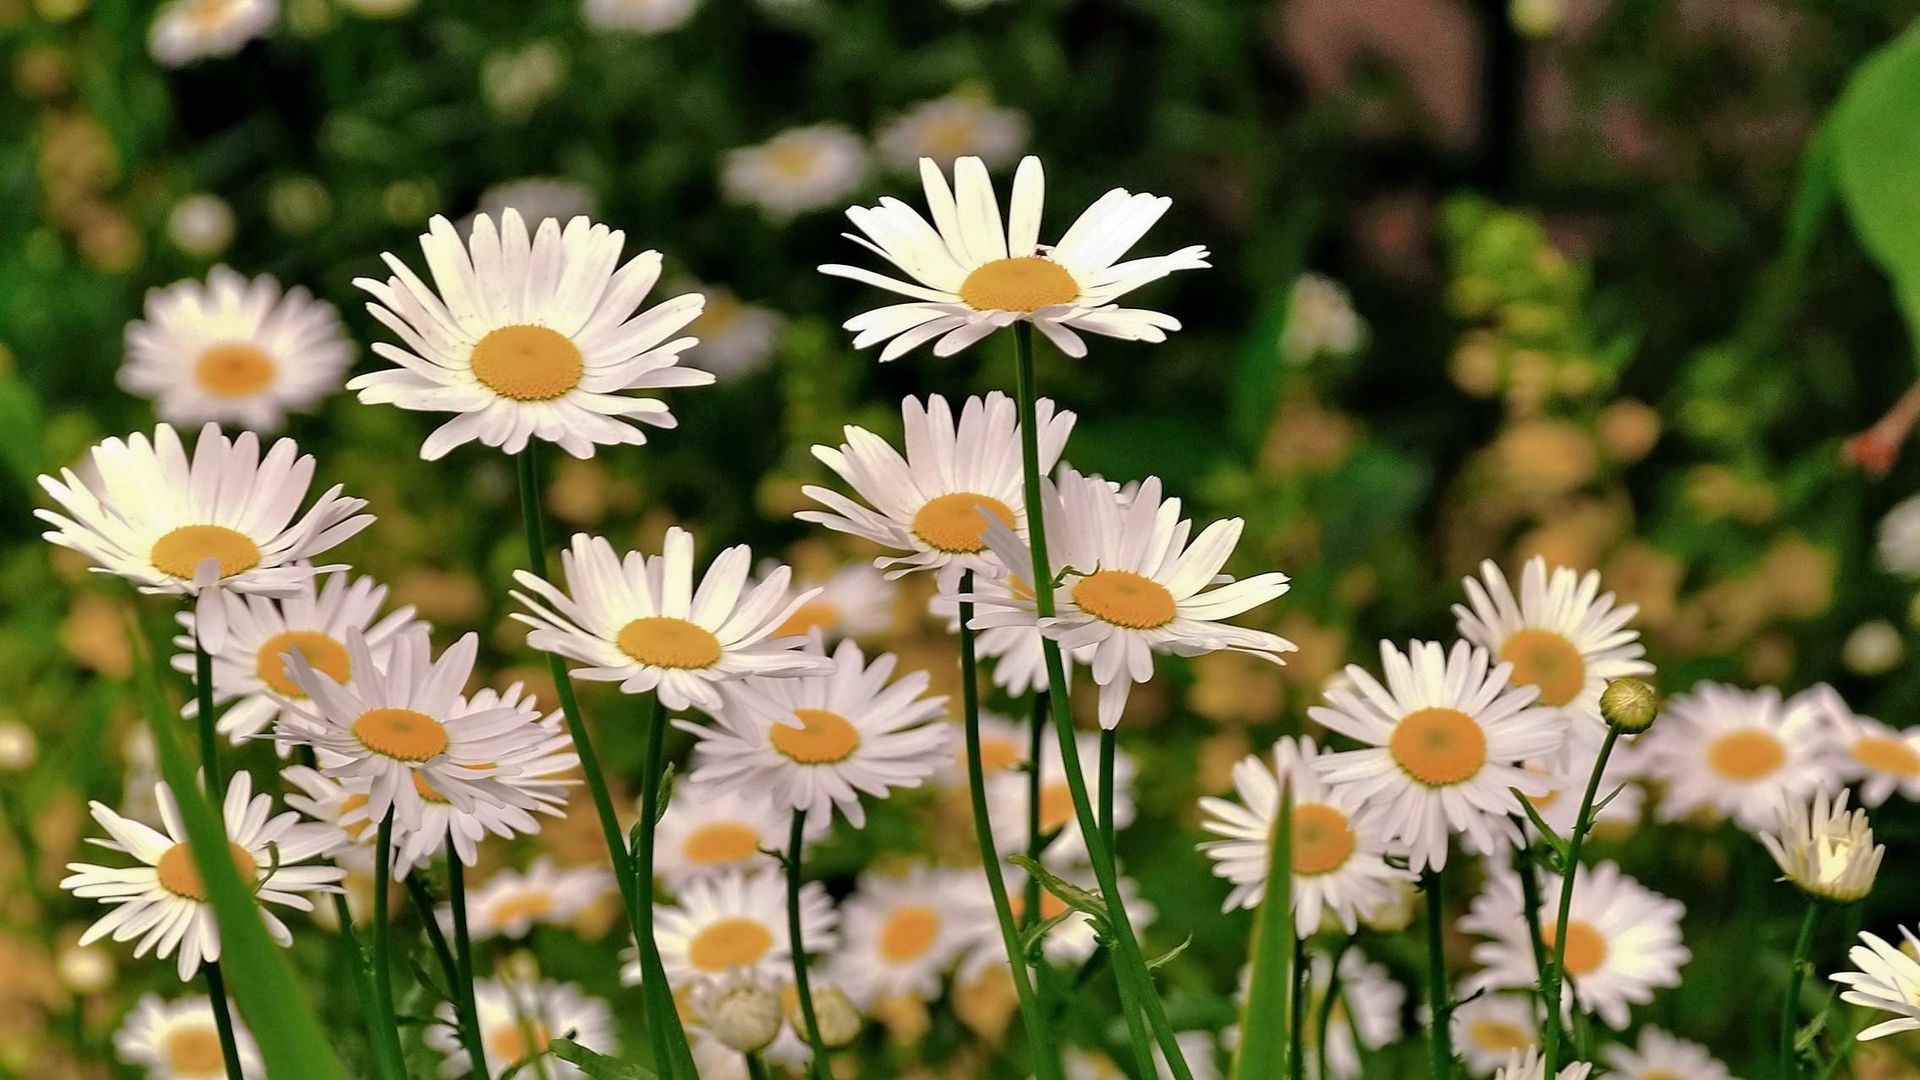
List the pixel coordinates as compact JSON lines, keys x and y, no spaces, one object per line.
{"x":647,"y":539}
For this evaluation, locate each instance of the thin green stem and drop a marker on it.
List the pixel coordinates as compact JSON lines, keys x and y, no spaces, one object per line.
{"x":756,"y":1067}
{"x":663,"y":1018}
{"x":801,"y":989}
{"x":1138,"y":1036}
{"x":209,"y":738}
{"x":463,"y":952}
{"x":1036,"y":739}
{"x":1796,"y":974}
{"x":466,"y":1025}
{"x":1523,"y":868}
{"x":1556,"y":968}
{"x":652,"y":969}
{"x":1135,"y":981}
{"x":1042,"y":1047}
{"x":1297,"y":1005}
{"x":1332,"y":997}
{"x":1439,"y":1000}
{"x":1106,"y":786}
{"x":222,"y":1017}
{"x":389,"y":1023}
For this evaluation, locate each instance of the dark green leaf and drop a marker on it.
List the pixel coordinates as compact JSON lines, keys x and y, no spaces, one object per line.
{"x":596,"y":1065}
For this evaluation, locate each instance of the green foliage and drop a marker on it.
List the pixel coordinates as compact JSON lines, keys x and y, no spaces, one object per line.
{"x":1877,"y":150}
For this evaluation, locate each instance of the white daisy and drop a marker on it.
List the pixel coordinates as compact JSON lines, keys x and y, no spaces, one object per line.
{"x":715,"y":1060}
{"x":709,"y":828}
{"x":736,"y":338}
{"x":1532,"y":1066}
{"x":1898,"y":540}
{"x":250,"y":671}
{"x":932,"y":505}
{"x":1660,"y":1056}
{"x":234,"y":351}
{"x":1623,"y":940}
{"x":220,"y":522}
{"x":1003,"y":748}
{"x":901,"y":934}
{"x":1132,"y":584}
{"x":971,"y":276}
{"x":1007,"y":800}
{"x":638,"y":16}
{"x":1737,"y":753}
{"x":189,"y":30}
{"x":1339,"y":867}
{"x":178,"y":1040}
{"x":1561,"y":635}
{"x":736,"y":921}
{"x":1887,"y":978}
{"x":325,"y":800}
{"x":404,"y":730}
{"x":529,"y":337}
{"x":798,"y":170}
{"x":536,"y":198}
{"x":1320,"y":321}
{"x":1879,"y":758}
{"x":855,"y":602}
{"x":819,"y":742}
{"x":519,"y":1021}
{"x":509,"y":903}
{"x":1826,"y":851}
{"x":162,"y":901}
{"x":1444,"y":736}
{"x":1017,"y":654}
{"x":640,"y":621}
{"x":945,"y":129}
{"x":1488,"y":1027}
{"x":201,"y":224}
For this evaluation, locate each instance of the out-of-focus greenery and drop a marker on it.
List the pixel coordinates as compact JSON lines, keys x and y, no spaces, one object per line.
{"x":1592,"y":335}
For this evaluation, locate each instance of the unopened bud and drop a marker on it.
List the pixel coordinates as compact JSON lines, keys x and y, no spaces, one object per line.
{"x":839,"y":1021}
{"x":743,"y":1016}
{"x":1393,"y":913}
{"x":1630,"y":705}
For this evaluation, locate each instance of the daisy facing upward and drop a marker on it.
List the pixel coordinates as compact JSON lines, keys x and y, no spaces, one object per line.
{"x":1738,"y":753}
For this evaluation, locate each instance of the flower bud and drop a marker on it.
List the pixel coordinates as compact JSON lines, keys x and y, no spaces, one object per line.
{"x":741,"y":1015}
{"x":1630,"y":705}
{"x":839,"y":1021}
{"x":1825,"y":850}
{"x":1393,"y":913}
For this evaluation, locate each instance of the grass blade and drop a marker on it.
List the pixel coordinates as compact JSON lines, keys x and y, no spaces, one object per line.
{"x":1263,"y":1040}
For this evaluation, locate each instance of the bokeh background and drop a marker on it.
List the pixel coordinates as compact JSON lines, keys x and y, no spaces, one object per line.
{"x":1549,"y":312}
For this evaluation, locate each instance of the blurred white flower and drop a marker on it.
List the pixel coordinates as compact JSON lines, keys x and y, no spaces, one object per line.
{"x":1874,"y":648}
{"x":1899,"y":543}
{"x":945,"y":129}
{"x":536,"y":198}
{"x":519,"y":81}
{"x":638,"y":16}
{"x":800,"y":169}
{"x":189,"y":30}
{"x":18,"y":747}
{"x":201,"y":224}
{"x":736,"y":338}
{"x":1320,"y":321}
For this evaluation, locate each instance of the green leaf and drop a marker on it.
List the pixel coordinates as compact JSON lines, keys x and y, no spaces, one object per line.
{"x":1166,"y":957}
{"x":665,"y":796}
{"x":1263,"y":1023}
{"x":1554,"y":839}
{"x":1033,"y":936}
{"x":275,"y":1007}
{"x":1877,"y":154}
{"x":596,"y":1065}
{"x":1072,"y":895}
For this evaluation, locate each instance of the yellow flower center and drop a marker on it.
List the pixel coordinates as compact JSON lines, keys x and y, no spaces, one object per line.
{"x":1056,"y":806}
{"x":1027,"y":283}
{"x":1322,"y":839}
{"x":401,"y":734}
{"x":1746,"y":755}
{"x":194,"y":1051}
{"x":179,"y":876}
{"x":180,"y":551}
{"x":1124,"y":598}
{"x":729,"y":943}
{"x":955,"y":523}
{"x":1438,"y":746}
{"x":526,"y":905}
{"x":908,"y":933}
{"x":720,"y":842}
{"x":1586,"y":947}
{"x":1882,"y":754}
{"x":794,"y":160}
{"x":1544,"y":659}
{"x":825,"y":739}
{"x":347,"y":806}
{"x":233,"y":369}
{"x":517,"y":1040}
{"x":1660,"y":1074}
{"x":659,"y":641}
{"x":323,"y":653}
{"x":428,"y":791}
{"x":527,"y":363}
{"x":1498,"y":1036}
{"x":808,"y":617}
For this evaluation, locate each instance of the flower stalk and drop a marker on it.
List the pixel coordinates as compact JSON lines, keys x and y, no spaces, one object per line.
{"x":1796,"y":974}
{"x":1557,"y":963}
{"x":1439,"y":1000}
{"x":798,"y":948}
{"x":389,"y":1023}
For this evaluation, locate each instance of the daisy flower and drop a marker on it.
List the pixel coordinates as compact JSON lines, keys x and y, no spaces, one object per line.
{"x":900,"y":935}
{"x":178,"y":1040}
{"x":519,"y":1021}
{"x":818,"y":742}
{"x":404,"y":731}
{"x":1887,"y":978}
{"x":1879,"y":758}
{"x":709,"y":828}
{"x":798,"y":170}
{"x":1563,"y":636}
{"x":647,"y":17}
{"x":1660,"y":1056}
{"x":529,"y":337}
{"x":1017,"y":653}
{"x":736,"y":922}
{"x":1007,"y":800}
{"x":1623,"y":940}
{"x":323,"y":799}
{"x":1488,"y":1027}
{"x":959,"y":125}
{"x":1532,"y":1066}
{"x":511,"y":901}
{"x":1443,"y":737}
{"x":1738,"y":753}
{"x":932,"y":505}
{"x":736,"y":338}
{"x":1826,"y":851}
{"x":189,"y":30}
{"x":1003,"y":748}
{"x":162,"y":902}
{"x":1339,"y":869}
{"x":1320,"y":321}
{"x":972,"y":276}
{"x":640,"y":621}
{"x":221,"y":522}
{"x":854,"y":602}
{"x":250,"y":671}
{"x":1133,"y":584}
{"x":234,"y":351}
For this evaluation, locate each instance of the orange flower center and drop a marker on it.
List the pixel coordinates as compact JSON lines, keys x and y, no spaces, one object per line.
{"x":729,"y":943}
{"x":908,"y":933}
{"x":1586,"y":947}
{"x":526,"y":905}
{"x":1124,"y":598}
{"x":997,"y":754}
{"x":1746,"y":755}
{"x":1050,"y":905}
{"x":659,"y":641}
{"x":527,"y":363}
{"x":1322,"y":839}
{"x":808,"y":617}
{"x":1438,"y":746}
{"x":195,"y":1052}
{"x":956,"y":523}
{"x":1886,"y":755}
{"x":1026,"y":283}
{"x":825,"y":739}
{"x":179,"y":875}
{"x":179,"y":552}
{"x":1056,"y":806}
{"x":233,"y":369}
{"x":1498,"y":1036}
{"x":322,"y":652}
{"x":347,"y":806}
{"x":1544,"y":659}
{"x":517,"y":1040}
{"x":721,"y":842}
{"x":401,"y":734}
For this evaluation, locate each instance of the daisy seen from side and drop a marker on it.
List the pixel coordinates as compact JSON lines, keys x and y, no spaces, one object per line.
{"x":511,"y":902}
{"x":1489,"y":1026}
{"x":1660,"y":1056}
{"x":179,"y":1040}
{"x":518,"y":1022}
{"x":900,"y":935}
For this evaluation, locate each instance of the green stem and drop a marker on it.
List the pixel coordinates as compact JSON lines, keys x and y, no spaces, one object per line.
{"x":756,"y":1067}
{"x":1036,"y":737}
{"x":463,"y":954}
{"x":209,"y":738}
{"x":663,"y":1017}
{"x":465,"y":1023}
{"x":801,"y":989}
{"x":1296,"y":1023}
{"x":1135,"y":981}
{"x":1325,"y":1018}
{"x":1440,"y":1038}
{"x":1043,"y":1048}
{"x":1106,"y":786}
{"x":222,"y":1016}
{"x":1790,"y":1008}
{"x":1556,"y":968}
{"x":389,"y":1020}
{"x":1530,"y":896}
{"x":651,"y":967}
